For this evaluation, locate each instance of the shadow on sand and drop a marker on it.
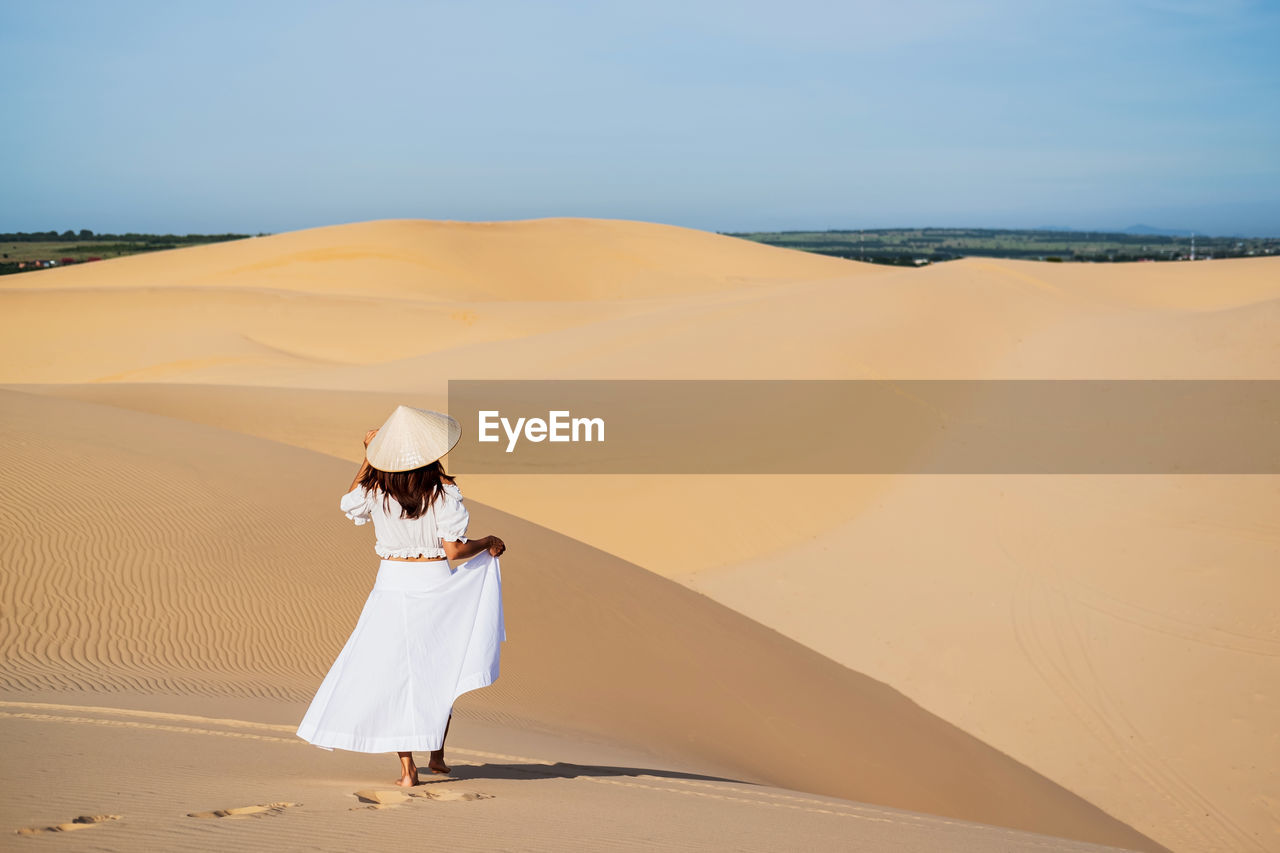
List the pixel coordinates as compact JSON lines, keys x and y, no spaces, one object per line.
{"x":559,"y":770}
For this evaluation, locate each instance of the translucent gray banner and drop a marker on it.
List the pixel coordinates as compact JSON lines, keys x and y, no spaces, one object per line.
{"x":882,"y":426}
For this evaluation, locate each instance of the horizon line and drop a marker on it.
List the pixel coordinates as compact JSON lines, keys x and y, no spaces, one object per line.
{"x":1154,"y":231}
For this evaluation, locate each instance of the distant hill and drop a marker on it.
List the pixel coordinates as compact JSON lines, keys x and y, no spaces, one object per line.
{"x":1157,"y":232}
{"x":1139,"y":230}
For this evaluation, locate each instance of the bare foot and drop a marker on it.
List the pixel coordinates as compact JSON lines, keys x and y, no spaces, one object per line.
{"x":410,"y":779}
{"x":437,"y":765}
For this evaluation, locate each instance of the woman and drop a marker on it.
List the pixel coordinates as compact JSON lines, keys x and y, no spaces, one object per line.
{"x":427,"y":633}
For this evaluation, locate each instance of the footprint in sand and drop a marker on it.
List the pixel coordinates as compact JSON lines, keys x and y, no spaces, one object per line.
{"x":246,"y":811}
{"x":83,"y":822}
{"x":380,"y":799}
{"x":448,"y":794}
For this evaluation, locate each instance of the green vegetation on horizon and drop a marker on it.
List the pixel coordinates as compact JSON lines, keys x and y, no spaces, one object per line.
{"x":915,"y":246}
{"x":25,"y":251}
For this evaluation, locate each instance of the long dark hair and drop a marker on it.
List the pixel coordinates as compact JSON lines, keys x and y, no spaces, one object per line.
{"x":414,"y":490}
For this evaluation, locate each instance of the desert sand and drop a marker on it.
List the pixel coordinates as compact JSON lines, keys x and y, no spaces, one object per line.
{"x":893,"y":662}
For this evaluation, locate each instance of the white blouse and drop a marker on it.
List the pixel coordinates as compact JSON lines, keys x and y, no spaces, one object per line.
{"x":446,"y":518}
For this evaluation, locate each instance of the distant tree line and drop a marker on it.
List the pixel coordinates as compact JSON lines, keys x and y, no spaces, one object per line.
{"x":28,"y":251}
{"x":916,"y":246}
{"x":85,"y":234}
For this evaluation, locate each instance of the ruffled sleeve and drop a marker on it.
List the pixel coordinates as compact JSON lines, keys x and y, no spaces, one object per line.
{"x":451,"y":516}
{"x":356,"y":505}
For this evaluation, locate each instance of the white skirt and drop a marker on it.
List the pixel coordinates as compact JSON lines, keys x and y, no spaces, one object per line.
{"x":427,"y":635}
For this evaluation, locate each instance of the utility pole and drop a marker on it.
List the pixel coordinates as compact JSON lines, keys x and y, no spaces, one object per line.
{"x":1193,"y":245}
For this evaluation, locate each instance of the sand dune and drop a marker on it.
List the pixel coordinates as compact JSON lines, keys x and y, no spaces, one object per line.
{"x":954,"y":321}
{"x":1133,"y":617}
{"x":1108,"y":633}
{"x":411,"y":259}
{"x":177,"y":578}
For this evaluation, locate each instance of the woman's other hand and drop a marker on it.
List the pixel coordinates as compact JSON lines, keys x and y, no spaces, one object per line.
{"x":368,"y":436}
{"x":467,"y":550}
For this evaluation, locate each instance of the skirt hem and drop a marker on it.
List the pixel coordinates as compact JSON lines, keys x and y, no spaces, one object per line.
{"x":411,"y":743}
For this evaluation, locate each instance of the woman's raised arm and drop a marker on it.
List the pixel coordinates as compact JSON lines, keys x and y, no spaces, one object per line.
{"x":364,"y":463}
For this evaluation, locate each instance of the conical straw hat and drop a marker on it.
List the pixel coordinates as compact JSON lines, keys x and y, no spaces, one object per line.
{"x":412,"y":438}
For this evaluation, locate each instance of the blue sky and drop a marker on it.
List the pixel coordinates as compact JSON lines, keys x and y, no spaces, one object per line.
{"x":726,"y":116}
